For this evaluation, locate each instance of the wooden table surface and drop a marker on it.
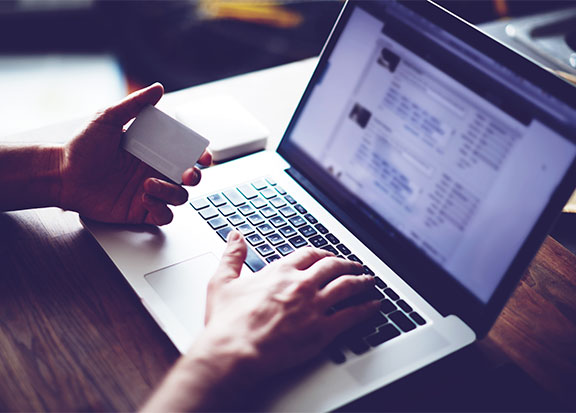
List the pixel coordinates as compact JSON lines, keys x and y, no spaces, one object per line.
{"x":73,"y":335}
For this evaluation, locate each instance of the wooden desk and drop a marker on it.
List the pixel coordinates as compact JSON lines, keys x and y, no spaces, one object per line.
{"x":73,"y":335}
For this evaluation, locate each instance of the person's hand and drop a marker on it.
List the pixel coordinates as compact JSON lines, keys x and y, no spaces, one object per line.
{"x":101,"y":181}
{"x":281,"y":315}
{"x":263,"y":324}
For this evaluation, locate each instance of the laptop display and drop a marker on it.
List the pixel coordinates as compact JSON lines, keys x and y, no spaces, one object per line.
{"x":453,"y":154}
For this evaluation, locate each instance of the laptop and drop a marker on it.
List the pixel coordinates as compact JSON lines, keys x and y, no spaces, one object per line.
{"x":421,"y":148}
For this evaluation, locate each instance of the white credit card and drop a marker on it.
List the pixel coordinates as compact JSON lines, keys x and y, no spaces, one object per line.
{"x":163,"y":143}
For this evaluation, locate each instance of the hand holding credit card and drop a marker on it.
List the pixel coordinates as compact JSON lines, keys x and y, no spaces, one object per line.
{"x":163,"y":143}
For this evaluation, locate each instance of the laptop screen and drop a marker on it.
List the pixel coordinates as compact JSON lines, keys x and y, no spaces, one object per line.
{"x":447,"y":149}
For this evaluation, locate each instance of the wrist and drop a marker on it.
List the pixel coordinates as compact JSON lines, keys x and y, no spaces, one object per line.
{"x":31,"y":175}
{"x":215,"y":374}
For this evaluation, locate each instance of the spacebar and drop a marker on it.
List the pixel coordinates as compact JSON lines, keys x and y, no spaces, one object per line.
{"x":253,"y":261}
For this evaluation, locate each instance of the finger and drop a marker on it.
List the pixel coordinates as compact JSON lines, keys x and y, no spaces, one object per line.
{"x":324,"y":271}
{"x":191,"y":176}
{"x":164,"y":191}
{"x":232,"y":259}
{"x":344,"y":287}
{"x":303,"y":258}
{"x":158,"y":211}
{"x":131,"y":105}
{"x":347,"y":318}
{"x":206,"y":158}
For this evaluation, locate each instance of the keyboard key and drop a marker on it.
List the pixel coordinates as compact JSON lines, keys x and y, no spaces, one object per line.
{"x":331,"y":249}
{"x":216,"y":223}
{"x":418,"y":318}
{"x":280,"y":190}
{"x":357,"y":346}
{"x":246,"y":209}
{"x":368,"y":271}
{"x":208,"y":213}
{"x":248,"y":191}
{"x":258,"y":203}
{"x":278,"y":202}
{"x":300,"y":209}
{"x":273,"y":258}
{"x":265,"y":229}
{"x":310,"y":219}
{"x":297,"y":241}
{"x":322,"y":229}
{"x":271,"y":181}
{"x":199,"y":203}
{"x":265,"y":250}
{"x":290,"y":200}
{"x":253,"y":261}
{"x":402,"y":321}
{"x":275,"y":239}
{"x":259,"y":184}
{"x":284,"y":249}
{"x":387,"y":306}
{"x":245,"y":229}
{"x":384,"y":334}
{"x":223,"y":232}
{"x":344,"y":249}
{"x":332,"y":238}
{"x":236,"y":219}
{"x":287,"y":211}
{"x":362,"y":330}
{"x":307,"y":231}
{"x":217,"y":200}
{"x":255,"y":239}
{"x":404,"y":306}
{"x":277,"y":221}
{"x":287,"y":231}
{"x":268,"y":212}
{"x":335,"y":354}
{"x":377,"y":320}
{"x":297,"y":221}
{"x":268,"y":193}
{"x":256,"y":219}
{"x":379,"y":283}
{"x":318,"y":241}
{"x":355,"y":258}
{"x":234,"y":197}
{"x":391,"y":293}
{"x":227,"y":210}
{"x":373,"y":294}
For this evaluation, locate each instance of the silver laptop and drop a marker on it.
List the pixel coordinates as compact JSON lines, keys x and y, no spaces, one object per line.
{"x":421,"y":148}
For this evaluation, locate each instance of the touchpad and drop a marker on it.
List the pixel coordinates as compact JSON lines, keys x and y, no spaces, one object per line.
{"x":182,"y":287}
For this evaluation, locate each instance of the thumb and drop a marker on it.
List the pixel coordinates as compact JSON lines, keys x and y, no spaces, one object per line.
{"x":122,"y":112}
{"x":232,"y":259}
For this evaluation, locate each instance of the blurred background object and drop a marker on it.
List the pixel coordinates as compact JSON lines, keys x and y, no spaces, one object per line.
{"x":39,"y":90}
{"x":48,"y":46}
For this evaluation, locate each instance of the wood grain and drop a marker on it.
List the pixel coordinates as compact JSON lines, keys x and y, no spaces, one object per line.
{"x":73,"y":335}
{"x":537,"y":328}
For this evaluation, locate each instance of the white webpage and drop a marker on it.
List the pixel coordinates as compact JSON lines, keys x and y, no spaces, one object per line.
{"x":458,"y":176}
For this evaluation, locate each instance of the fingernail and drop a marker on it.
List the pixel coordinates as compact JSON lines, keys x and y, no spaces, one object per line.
{"x":155,"y":185}
{"x":233,"y":236}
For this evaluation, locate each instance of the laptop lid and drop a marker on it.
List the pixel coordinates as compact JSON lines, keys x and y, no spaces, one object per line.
{"x":446,"y":153}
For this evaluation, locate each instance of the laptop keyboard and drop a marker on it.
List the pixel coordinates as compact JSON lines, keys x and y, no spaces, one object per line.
{"x":274,"y":224}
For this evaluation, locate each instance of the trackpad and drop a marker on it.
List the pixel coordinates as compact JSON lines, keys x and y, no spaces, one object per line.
{"x":182,"y":287}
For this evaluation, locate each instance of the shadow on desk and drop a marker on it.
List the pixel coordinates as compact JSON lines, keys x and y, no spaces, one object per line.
{"x":74,"y":336}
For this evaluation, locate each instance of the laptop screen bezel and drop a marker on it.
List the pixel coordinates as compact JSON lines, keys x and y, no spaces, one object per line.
{"x":446,"y":294}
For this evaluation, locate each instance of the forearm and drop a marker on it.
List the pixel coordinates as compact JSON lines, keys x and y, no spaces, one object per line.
{"x":29,"y":176}
{"x":211,"y":377}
